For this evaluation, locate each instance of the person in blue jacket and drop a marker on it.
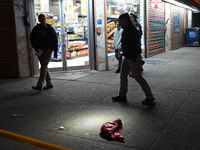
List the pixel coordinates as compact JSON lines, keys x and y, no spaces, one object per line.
{"x":131,"y":50}
{"x":44,"y":40}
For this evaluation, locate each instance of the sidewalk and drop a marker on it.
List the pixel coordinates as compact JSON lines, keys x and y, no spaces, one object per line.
{"x":81,"y":102}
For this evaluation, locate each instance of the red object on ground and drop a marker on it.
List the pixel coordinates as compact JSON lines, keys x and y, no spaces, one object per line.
{"x":111,"y":129}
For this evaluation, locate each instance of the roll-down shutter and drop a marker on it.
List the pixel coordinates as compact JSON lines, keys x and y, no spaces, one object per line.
{"x":155,"y":28}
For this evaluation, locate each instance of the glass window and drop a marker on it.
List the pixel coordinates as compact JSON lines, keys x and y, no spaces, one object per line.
{"x":76,"y":32}
{"x":116,"y":8}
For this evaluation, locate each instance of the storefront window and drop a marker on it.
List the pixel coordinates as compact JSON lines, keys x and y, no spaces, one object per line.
{"x":75,"y":22}
{"x":114,"y":9}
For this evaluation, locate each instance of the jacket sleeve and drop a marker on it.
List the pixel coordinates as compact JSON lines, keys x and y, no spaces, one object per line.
{"x":140,"y":29}
{"x":54,"y":45}
{"x":33,"y":39}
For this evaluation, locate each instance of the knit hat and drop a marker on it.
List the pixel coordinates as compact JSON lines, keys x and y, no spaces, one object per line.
{"x":133,"y":15}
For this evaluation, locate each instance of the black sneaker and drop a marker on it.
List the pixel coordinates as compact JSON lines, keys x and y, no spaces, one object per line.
{"x":47,"y":87}
{"x":119,"y":99}
{"x":148,"y":101}
{"x":38,"y":88}
{"x":118,"y":70}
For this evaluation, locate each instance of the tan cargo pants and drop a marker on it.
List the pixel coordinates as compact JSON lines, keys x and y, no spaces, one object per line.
{"x":135,"y":66}
{"x":44,"y":61}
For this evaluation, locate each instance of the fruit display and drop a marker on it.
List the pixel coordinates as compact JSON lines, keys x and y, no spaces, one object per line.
{"x":77,"y":48}
{"x":77,"y":45}
{"x":110,"y":30}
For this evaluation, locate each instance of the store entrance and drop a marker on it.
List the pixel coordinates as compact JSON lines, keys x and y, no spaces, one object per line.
{"x":75,"y":53}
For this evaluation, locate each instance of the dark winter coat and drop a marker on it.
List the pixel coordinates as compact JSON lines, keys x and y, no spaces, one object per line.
{"x":131,"y":45}
{"x":139,"y":28}
{"x":44,"y":37}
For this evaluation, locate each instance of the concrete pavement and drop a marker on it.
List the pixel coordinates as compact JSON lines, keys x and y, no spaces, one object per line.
{"x":81,"y":102}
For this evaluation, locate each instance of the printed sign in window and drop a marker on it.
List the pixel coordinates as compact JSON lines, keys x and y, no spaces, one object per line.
{"x":71,"y":18}
{"x":44,"y":6}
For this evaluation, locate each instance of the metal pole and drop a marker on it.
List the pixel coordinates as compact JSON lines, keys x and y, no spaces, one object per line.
{"x":106,"y":45}
{"x":91,"y":35}
{"x":62,"y":34}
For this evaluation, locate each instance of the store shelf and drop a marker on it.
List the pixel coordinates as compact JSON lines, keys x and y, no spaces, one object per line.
{"x":72,"y":50}
{"x":110,"y":41}
{"x":75,"y":39}
{"x":77,"y":53}
{"x":76,"y":46}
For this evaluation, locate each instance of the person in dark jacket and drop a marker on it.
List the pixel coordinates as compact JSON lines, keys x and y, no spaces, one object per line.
{"x":131,"y":50}
{"x":137,"y":25}
{"x":44,"y":40}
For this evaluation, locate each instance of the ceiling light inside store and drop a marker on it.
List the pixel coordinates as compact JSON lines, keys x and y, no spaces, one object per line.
{"x":180,"y":4}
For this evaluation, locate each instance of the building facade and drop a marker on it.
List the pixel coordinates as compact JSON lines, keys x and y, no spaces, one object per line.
{"x":85,"y":31}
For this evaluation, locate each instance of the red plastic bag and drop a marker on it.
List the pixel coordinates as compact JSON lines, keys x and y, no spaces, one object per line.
{"x":111,"y":130}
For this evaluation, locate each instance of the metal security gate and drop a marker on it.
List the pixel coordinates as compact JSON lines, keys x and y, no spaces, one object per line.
{"x":155,"y":27}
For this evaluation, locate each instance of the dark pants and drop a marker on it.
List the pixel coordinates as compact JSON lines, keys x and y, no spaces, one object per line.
{"x":44,"y":61}
{"x":135,"y":66}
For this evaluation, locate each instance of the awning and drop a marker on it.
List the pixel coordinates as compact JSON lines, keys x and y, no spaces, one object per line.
{"x":190,"y":3}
